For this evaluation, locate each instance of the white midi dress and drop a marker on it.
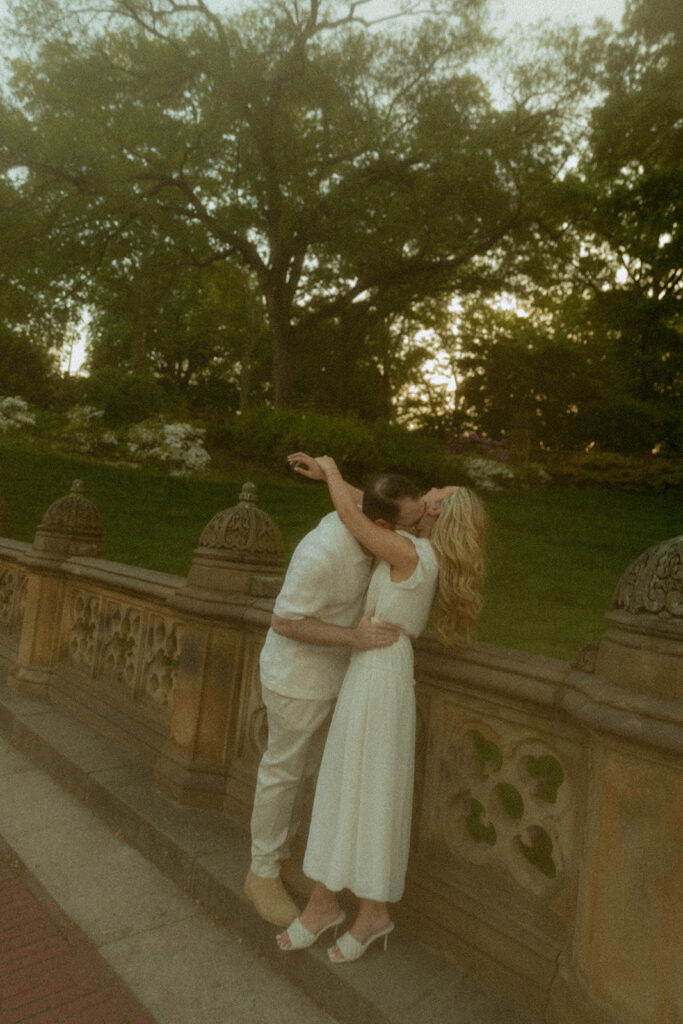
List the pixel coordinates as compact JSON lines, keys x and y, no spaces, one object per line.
{"x":359,"y":837}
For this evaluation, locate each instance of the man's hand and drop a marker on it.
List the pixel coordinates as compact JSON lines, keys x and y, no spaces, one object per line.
{"x":366,"y":635}
{"x":369,"y":634}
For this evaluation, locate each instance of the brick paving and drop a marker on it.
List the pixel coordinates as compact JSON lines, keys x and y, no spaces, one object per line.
{"x":50,"y":973}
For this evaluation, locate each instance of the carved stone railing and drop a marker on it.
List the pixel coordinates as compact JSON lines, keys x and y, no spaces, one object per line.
{"x":546,"y":847}
{"x":498,"y":816}
{"x":169,"y":665}
{"x":13,"y":581}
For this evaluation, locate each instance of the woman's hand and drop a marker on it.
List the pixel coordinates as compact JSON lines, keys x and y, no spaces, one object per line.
{"x":306,"y":465}
{"x":327,"y":465}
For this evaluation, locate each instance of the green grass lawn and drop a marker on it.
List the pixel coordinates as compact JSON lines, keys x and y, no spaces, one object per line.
{"x":555,"y":554}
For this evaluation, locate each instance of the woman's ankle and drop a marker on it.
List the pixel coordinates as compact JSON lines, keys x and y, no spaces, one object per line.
{"x":372,"y":917}
{"x":321,"y":908}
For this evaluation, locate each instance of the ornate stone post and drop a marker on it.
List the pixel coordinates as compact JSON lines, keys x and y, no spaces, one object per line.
{"x":71,"y":526}
{"x":227,"y":602}
{"x":626,"y":961}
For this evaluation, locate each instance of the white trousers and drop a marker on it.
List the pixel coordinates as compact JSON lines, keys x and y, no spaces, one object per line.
{"x":296,"y":737}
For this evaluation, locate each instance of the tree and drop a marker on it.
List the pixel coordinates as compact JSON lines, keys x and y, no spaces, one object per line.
{"x":353,"y":174}
{"x":627,"y":197}
{"x":26,"y":370}
{"x":37,"y":318}
{"x":197,"y":329}
{"x":593,"y":351}
{"x":528,"y":374}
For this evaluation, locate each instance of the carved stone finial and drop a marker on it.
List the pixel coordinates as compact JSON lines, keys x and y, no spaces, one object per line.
{"x":249,"y":495}
{"x":243,"y":533}
{"x":72,"y":525}
{"x":653,"y":583}
{"x":240,"y":550}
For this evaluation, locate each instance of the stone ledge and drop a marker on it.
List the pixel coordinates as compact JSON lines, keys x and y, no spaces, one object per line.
{"x":206,"y":854}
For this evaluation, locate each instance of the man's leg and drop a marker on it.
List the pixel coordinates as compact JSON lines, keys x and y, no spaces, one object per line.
{"x":304,"y":794}
{"x":292,"y":724}
{"x":291,"y":871}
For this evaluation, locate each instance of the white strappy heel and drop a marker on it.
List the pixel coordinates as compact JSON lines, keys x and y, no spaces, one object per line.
{"x":351,"y":949}
{"x":301,"y":938}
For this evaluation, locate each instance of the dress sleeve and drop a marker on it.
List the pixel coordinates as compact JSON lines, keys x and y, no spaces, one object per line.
{"x":426,"y":563}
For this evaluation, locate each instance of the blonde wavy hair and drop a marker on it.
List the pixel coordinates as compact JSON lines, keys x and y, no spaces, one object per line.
{"x":458,"y":541}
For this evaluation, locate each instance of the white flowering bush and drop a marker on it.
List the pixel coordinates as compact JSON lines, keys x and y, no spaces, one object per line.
{"x":491,"y":475}
{"x":15,"y":414}
{"x":488,"y":474}
{"x":85,"y":432}
{"x":175,"y":447}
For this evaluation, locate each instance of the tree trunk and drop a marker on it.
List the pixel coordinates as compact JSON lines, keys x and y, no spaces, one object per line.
{"x":283,"y":338}
{"x":253,"y":329}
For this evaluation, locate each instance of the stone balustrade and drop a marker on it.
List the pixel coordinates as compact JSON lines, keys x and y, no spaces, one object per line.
{"x":546,"y":849}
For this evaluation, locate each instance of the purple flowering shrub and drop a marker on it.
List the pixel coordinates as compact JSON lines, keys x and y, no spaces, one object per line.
{"x":471,"y":443}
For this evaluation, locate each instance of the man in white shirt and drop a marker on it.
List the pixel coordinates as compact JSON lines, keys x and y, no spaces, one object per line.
{"x":315,"y":624}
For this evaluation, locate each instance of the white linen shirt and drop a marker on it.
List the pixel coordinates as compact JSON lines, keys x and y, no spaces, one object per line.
{"x":327,"y":577}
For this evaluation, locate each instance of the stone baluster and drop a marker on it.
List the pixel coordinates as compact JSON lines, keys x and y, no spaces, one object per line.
{"x":226,"y":606}
{"x":71,"y":526}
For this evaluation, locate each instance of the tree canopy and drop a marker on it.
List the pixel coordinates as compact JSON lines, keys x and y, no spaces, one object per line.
{"x":292,"y":183}
{"x":633,"y":173}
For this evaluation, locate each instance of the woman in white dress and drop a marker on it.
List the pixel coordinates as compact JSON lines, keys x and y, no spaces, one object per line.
{"x":360,"y":828}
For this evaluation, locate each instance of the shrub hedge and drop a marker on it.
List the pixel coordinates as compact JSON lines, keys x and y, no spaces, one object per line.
{"x":267,"y":436}
{"x":123,"y":397}
{"x":645,"y":474}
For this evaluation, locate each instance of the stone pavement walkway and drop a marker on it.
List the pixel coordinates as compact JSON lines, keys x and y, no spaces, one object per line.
{"x":157,"y":890}
{"x":49,"y":972}
{"x":90,"y":931}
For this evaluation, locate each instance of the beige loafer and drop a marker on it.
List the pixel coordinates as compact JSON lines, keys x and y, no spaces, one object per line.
{"x":271,"y":900}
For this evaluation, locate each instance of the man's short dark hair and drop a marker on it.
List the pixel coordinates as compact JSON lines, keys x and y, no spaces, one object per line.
{"x":383,"y":495}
